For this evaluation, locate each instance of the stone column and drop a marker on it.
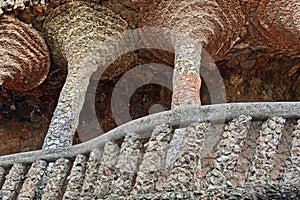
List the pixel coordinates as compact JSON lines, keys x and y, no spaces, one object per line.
{"x":186,"y":77}
{"x":73,"y":31}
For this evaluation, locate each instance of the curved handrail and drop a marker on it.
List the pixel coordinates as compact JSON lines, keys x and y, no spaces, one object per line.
{"x":210,"y":113}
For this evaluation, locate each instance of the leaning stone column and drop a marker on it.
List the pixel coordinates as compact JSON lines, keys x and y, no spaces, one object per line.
{"x":73,"y":31}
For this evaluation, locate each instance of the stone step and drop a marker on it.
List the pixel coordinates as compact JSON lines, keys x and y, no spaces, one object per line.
{"x":12,"y":182}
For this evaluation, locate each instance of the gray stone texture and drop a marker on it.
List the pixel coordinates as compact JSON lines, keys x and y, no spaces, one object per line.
{"x":152,"y":173}
{"x":227,"y":153}
{"x":12,"y":181}
{"x":2,"y":172}
{"x":107,"y":171}
{"x":292,"y":170}
{"x":32,"y":180}
{"x":183,"y":157}
{"x":75,"y":179}
{"x":73,"y":32}
{"x":170,"y":164}
{"x":55,"y":183}
{"x":265,"y":152}
{"x":90,"y":177}
{"x":127,"y":166}
{"x":213,"y":113}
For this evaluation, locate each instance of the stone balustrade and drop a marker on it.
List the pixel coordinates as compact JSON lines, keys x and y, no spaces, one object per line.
{"x":239,"y":150}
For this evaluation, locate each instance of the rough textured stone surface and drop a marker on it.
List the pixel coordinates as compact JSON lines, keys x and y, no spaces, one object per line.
{"x":215,"y":113}
{"x":32,"y":180}
{"x":127,"y":166}
{"x":246,"y":155}
{"x":107,"y":171}
{"x":232,"y":21}
{"x":250,"y":73}
{"x":20,"y":5}
{"x":152,"y":173}
{"x":25,"y":58}
{"x":56,"y":180}
{"x":259,"y":52}
{"x":255,"y":192}
{"x":292,"y":170}
{"x":68,"y":45}
{"x":266,"y":150}
{"x":9,"y":5}
{"x":273,"y":23}
{"x":12,"y":182}
{"x":90,"y":177}
{"x":227,"y":154}
{"x":210,"y":22}
{"x":186,"y":77}
{"x":75,"y":179}
{"x":183,"y":163}
{"x":45,"y":179}
{"x":2,"y":172}
{"x":171,"y":165}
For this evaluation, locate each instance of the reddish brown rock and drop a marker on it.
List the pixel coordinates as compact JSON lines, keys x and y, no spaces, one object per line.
{"x":25,"y":59}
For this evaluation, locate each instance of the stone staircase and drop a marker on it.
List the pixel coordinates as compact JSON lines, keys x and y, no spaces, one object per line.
{"x":224,"y":151}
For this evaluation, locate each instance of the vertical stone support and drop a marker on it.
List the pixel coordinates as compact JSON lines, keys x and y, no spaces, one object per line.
{"x":33,"y":179}
{"x":91,"y":174}
{"x":186,"y":77}
{"x":2,"y":172}
{"x":292,"y":171}
{"x":75,"y":179}
{"x":151,"y":175}
{"x":127,"y":166}
{"x":56,"y":180}
{"x":107,"y":171}
{"x":266,"y":150}
{"x":73,"y":31}
{"x":45,"y":178}
{"x":12,"y":182}
{"x":183,"y":158}
{"x":227,"y":153}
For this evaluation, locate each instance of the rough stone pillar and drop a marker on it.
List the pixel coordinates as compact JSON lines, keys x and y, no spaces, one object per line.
{"x":213,"y":23}
{"x":73,"y":31}
{"x":186,"y":77}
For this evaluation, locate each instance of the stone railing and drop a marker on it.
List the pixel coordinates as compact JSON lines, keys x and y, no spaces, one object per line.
{"x":239,"y":150}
